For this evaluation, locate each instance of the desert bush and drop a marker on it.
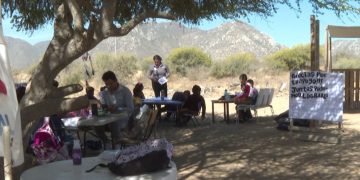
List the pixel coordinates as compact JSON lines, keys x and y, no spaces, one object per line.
{"x":145,"y":63}
{"x":234,"y":64}
{"x":346,"y":62}
{"x":123,"y":65}
{"x":180,"y":60}
{"x":74,"y":73}
{"x":297,"y":57}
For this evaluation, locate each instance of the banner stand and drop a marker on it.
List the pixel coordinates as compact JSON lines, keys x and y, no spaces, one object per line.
{"x":7,"y":153}
{"x":315,"y":134}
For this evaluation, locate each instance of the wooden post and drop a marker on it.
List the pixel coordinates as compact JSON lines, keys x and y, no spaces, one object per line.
{"x":314,"y":56}
{"x":7,"y":153}
{"x":317,"y":48}
{"x":312,"y":41}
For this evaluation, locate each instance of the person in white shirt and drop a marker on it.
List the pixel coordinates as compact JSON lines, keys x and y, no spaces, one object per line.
{"x":253,"y":91}
{"x":158,"y":71}
{"x":116,"y":98}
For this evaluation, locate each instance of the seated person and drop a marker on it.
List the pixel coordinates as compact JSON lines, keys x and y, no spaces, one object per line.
{"x":85,"y":112}
{"x":253,"y":91}
{"x":138,"y":90}
{"x":138,"y":96}
{"x":177,"y":96}
{"x":192,"y":105}
{"x":117,"y":98}
{"x":244,"y":98}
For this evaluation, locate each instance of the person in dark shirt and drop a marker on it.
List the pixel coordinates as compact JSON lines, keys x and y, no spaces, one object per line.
{"x":177,"y":96}
{"x":194,"y":103}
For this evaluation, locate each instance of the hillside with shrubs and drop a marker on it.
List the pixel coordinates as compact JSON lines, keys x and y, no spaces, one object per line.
{"x":190,"y":65}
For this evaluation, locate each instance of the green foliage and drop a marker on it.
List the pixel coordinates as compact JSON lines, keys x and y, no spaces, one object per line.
{"x":343,"y":61}
{"x":34,"y":14}
{"x":234,"y":65}
{"x":181,"y":60}
{"x":124,"y":66}
{"x":145,"y":63}
{"x":72,"y":74}
{"x":297,"y":57}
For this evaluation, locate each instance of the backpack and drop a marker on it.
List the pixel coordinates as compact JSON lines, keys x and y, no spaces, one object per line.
{"x":46,"y":145}
{"x":146,"y":157}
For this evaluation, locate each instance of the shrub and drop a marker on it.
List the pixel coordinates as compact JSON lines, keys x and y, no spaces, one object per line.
{"x":181,"y":60}
{"x":145,"y":63}
{"x":346,"y":62}
{"x":233,"y":65}
{"x":72,"y":74}
{"x":124,"y":66}
{"x":297,"y":57}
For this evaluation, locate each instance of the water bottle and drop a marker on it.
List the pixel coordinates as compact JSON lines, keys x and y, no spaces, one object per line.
{"x":162,"y":93}
{"x":94,"y":108}
{"x":76,"y":153}
{"x":226,"y":95}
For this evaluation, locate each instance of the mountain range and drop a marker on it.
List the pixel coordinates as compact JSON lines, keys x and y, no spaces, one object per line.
{"x":152,"y":38}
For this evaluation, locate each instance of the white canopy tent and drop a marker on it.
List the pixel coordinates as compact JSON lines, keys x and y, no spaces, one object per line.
{"x":338,"y":32}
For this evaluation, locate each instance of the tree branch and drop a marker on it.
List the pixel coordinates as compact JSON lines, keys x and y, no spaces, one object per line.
{"x":49,"y":107}
{"x":126,"y":28}
{"x":76,"y":15}
{"x":62,"y":26}
{"x":66,"y":90}
{"x":107,"y":17}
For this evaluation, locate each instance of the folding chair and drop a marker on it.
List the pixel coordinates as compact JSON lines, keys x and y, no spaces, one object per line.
{"x":193,"y":116}
{"x":148,"y":131}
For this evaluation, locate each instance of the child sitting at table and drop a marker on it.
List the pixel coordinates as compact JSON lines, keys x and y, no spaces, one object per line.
{"x":244,"y":98}
{"x":192,"y":106}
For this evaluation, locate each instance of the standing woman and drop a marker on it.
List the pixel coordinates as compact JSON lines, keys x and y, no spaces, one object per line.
{"x":156,"y":72}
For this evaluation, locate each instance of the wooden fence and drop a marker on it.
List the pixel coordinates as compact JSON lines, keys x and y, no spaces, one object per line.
{"x":352,"y":89}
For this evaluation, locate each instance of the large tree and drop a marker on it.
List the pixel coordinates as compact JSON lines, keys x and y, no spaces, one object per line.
{"x":79,"y":25}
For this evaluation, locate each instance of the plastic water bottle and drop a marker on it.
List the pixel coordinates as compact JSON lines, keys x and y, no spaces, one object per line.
{"x":162,"y":93}
{"x":76,"y":153}
{"x":226,"y":95}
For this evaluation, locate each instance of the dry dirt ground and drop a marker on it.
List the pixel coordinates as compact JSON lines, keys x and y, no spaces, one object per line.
{"x":257,"y":150}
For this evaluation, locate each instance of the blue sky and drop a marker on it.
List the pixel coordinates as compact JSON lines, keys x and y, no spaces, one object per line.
{"x":287,"y":27}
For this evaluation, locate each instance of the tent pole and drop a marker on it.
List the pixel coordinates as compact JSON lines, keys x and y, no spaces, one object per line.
{"x":7,"y":153}
{"x":326,"y":50}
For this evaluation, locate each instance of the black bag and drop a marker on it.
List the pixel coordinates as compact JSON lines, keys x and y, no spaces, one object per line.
{"x":152,"y":162}
{"x":146,"y":157}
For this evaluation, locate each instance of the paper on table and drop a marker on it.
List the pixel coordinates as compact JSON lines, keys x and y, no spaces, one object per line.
{"x":162,"y":80}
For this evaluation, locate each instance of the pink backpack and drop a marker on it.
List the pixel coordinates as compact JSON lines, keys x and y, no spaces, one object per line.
{"x":46,"y":145}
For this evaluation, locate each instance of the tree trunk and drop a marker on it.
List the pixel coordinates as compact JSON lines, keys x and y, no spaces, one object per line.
{"x":42,"y":99}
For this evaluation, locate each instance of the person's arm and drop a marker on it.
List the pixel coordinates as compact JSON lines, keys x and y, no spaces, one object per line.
{"x":150,"y":73}
{"x":129,"y":101}
{"x":167,"y":71}
{"x":203,"y":107}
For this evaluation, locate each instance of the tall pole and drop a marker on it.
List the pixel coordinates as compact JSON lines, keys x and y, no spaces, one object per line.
{"x":314,"y":56}
{"x":115,"y":46}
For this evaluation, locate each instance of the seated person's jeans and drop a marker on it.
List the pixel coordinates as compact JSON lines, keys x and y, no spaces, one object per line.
{"x":115,"y":129}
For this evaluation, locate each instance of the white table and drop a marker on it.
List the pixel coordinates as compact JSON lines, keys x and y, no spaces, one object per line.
{"x":65,"y":170}
{"x":101,"y":120}
{"x":86,"y":124}
{"x":75,"y":122}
